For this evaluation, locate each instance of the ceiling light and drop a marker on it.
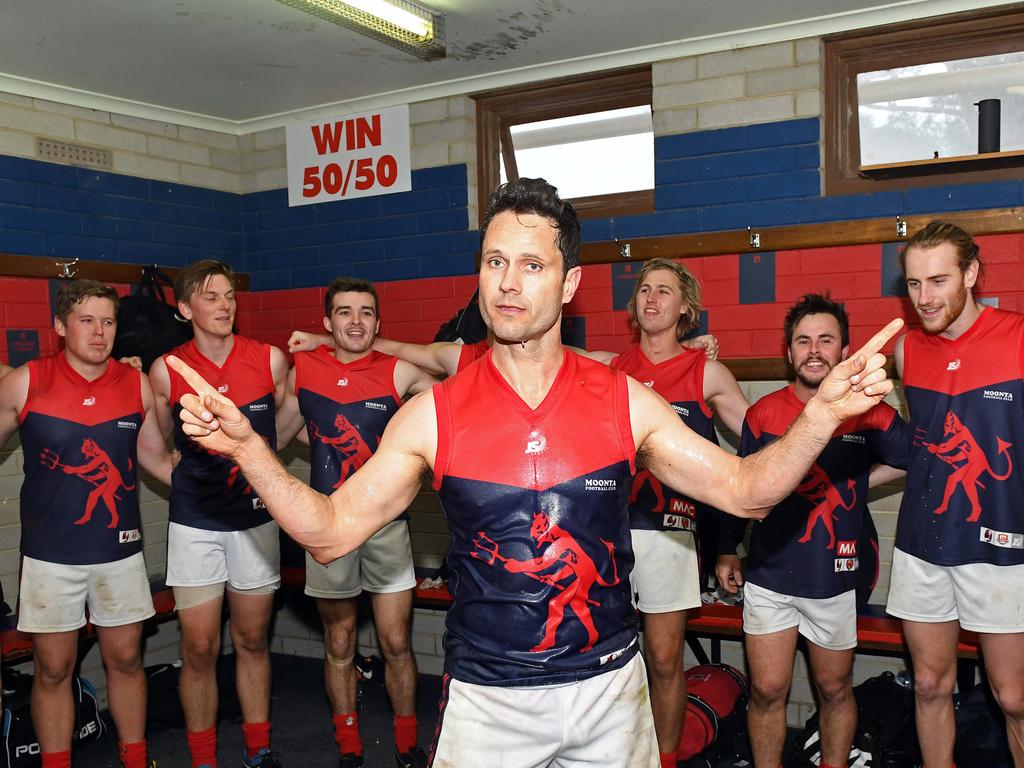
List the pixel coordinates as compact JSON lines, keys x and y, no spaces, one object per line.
{"x":399,"y":23}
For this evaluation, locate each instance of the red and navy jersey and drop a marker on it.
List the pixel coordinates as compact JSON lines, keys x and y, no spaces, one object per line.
{"x":680,"y":380}
{"x":79,"y":503}
{"x":346,"y":408}
{"x":207,"y":490}
{"x":540,"y":553}
{"x":810,"y":543}
{"x":965,"y":481}
{"x":470,"y":353}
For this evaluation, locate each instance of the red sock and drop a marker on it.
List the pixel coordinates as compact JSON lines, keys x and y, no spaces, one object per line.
{"x":405,"y":732}
{"x":669,"y":759}
{"x":257,"y":737}
{"x":133,"y":754}
{"x":346,"y":733}
{"x":202,"y":745}
{"x":57,"y":759}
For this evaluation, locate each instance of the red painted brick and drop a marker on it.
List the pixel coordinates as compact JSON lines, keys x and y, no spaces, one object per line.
{"x":402,"y":311}
{"x":997,"y":276}
{"x":787,"y":263}
{"x":733,"y":343}
{"x":419,"y":333}
{"x":791,"y":287}
{"x":589,"y":300}
{"x":600,"y":323}
{"x":307,"y":317}
{"x":291,"y":298}
{"x":28,"y":315}
{"x":465,"y":285}
{"x":767,"y":343}
{"x":597,"y":276}
{"x":623,"y":324}
{"x":747,"y":317}
{"x":851,"y":258}
{"x":616,"y":344}
{"x":425,"y":288}
{"x":722,"y":267}
{"x":717,"y":293}
{"x":878,"y":312}
{"x":272,"y":319}
{"x":437,"y":311}
{"x":996,"y":249}
{"x":867,"y":285}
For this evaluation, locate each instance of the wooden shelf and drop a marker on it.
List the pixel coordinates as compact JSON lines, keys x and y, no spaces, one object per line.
{"x":980,"y":161}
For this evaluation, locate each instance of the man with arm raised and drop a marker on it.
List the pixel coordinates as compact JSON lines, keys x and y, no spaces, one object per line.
{"x":532,"y":449}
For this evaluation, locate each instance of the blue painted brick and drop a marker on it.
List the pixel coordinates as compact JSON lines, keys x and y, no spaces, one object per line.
{"x":114,"y":183}
{"x":653,"y":224}
{"x":290,"y":258}
{"x":40,"y":220}
{"x":37,"y":171}
{"x":699,"y":194}
{"x":415,"y":202}
{"x":676,"y":171}
{"x":752,"y":163}
{"x":117,"y":228}
{"x":307,"y":277}
{"x":282,"y":239}
{"x":420,"y":245}
{"x":71,"y":246}
{"x":843,"y":207}
{"x":28,"y":243}
{"x":786,"y":132}
{"x":340,"y":254}
{"x":180,"y":194}
{"x":260,"y":201}
{"x":893,"y":281}
{"x":467,"y":241}
{"x":754,"y":214}
{"x":197,"y":237}
{"x":454,"y":220}
{"x":773,"y":186}
{"x":392,"y":226}
{"x":699,"y":143}
{"x":963,"y":197}
{"x":757,"y":277}
{"x":151,"y":253}
{"x":593,"y":230}
{"x":226,"y":201}
{"x":448,"y":264}
{"x":459,"y":197}
{"x":808,"y":156}
{"x":277,"y":280}
{"x":336,"y":232}
{"x":19,"y":192}
{"x":69,"y":199}
{"x":347,"y":210}
{"x":387,"y":269}
{"x":440,"y":176}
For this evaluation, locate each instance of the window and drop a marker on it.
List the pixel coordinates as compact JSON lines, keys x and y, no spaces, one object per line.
{"x":590,"y":136}
{"x":900,"y":102}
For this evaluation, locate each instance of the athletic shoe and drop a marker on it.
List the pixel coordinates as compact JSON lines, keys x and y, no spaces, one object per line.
{"x":350,"y":760}
{"x":262,"y":759}
{"x":414,"y":758}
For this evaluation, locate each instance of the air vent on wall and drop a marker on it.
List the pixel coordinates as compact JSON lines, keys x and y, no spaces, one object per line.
{"x":73,"y":154}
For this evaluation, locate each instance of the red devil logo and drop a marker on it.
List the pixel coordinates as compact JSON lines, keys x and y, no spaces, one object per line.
{"x":348,"y":442}
{"x":818,"y":489}
{"x":98,"y":470}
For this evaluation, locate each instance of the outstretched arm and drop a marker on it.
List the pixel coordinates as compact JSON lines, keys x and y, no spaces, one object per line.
{"x":328,"y":527}
{"x":751,"y":486}
{"x":411,"y":379}
{"x":438,"y":359}
{"x":304,"y":341}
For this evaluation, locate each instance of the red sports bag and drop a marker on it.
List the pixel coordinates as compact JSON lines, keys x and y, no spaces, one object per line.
{"x":713,"y":692}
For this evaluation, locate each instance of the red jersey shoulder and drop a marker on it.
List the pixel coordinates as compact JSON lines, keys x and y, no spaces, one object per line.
{"x":368,"y":378}
{"x":56,"y":389}
{"x":245,"y":376}
{"x":773,"y":413}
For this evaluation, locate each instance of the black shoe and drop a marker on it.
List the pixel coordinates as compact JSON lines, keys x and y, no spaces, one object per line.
{"x":414,"y":758}
{"x":262,"y":759}
{"x":350,"y":760}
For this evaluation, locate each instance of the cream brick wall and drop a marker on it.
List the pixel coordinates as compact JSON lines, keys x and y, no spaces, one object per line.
{"x":743,"y":86}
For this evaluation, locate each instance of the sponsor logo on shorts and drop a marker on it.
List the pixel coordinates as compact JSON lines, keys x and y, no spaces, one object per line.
{"x":599,"y":485}
{"x":127,"y":425}
{"x":858,"y":439}
{"x":257,"y":503}
{"x":681,"y":522}
{"x":1003,"y":539}
{"x":847,"y":564}
{"x":127,"y":537}
{"x":258,"y":407}
{"x":375,"y":406}
{"x":680,"y":410}
{"x":89,"y":401}
{"x":846,"y":548}
{"x":222,"y":388}
{"x":997,"y":394}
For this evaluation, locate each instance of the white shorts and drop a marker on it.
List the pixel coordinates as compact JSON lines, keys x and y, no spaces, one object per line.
{"x":829,"y":622}
{"x":383,"y":564}
{"x":53,"y":596}
{"x":245,"y":559}
{"x":981,"y":596}
{"x":601,"y":721}
{"x":665,"y":575}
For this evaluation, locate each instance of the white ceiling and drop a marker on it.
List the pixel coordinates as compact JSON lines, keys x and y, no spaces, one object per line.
{"x":244,"y":65}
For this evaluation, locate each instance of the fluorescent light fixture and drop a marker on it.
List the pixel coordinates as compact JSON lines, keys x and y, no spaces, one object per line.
{"x":399,"y":23}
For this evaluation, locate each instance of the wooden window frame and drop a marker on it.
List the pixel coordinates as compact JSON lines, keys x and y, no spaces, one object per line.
{"x":497,"y":111}
{"x":944,"y":38}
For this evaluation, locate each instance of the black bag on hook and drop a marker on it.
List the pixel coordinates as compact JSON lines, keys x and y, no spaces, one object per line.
{"x":147,"y":324}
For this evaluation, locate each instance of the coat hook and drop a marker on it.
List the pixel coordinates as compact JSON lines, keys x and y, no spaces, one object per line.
{"x":755,"y":238}
{"x":64,"y":269}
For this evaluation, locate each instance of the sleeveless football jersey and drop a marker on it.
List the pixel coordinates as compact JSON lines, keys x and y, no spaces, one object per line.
{"x":965,"y":483}
{"x":680,"y":380}
{"x":470,"y":353}
{"x":79,"y":502}
{"x":346,"y":408}
{"x":540,"y":553}
{"x":207,"y":490}
{"x":810,"y":543}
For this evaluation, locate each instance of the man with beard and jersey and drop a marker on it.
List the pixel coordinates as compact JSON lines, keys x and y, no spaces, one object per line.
{"x":959,"y":558}
{"x":803,"y":567}
{"x":219,"y":532}
{"x":531,"y":449}
{"x":346,"y":395}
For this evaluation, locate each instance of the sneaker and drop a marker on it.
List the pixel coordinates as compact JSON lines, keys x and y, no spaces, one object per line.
{"x":262,"y":759}
{"x":350,"y":760}
{"x":414,"y":758}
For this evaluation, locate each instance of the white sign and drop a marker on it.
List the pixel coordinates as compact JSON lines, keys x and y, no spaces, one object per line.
{"x":352,"y":156}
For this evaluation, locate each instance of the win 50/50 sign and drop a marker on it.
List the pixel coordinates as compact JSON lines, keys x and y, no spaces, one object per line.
{"x":352,"y":156}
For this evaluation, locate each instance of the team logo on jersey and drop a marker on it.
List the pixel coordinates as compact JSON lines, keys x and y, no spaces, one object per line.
{"x":374,"y":406}
{"x":681,"y":410}
{"x":127,"y":537}
{"x":997,"y":394}
{"x":679,"y":522}
{"x":639,"y":479}
{"x":222,"y":388}
{"x":99,"y":471}
{"x":561,"y":563}
{"x":968,"y":460}
{"x":817,"y":487}
{"x":349,"y":444}
{"x":846,"y":556}
{"x":536,"y":444}
{"x":954,"y":365}
{"x":592,"y":484}
{"x":121,"y":424}
{"x":649,"y":384}
{"x":258,"y":407}
{"x":857,"y":439}
{"x":89,"y":401}
{"x":343,"y":382}
{"x":1003,"y":539}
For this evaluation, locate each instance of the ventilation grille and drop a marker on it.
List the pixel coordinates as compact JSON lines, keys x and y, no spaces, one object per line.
{"x":74,"y":154}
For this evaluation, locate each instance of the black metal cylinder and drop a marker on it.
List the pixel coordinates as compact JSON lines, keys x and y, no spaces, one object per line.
{"x":988,"y":125}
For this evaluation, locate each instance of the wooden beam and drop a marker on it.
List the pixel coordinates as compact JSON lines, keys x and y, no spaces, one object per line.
{"x":859,"y":232}
{"x":46,"y":267}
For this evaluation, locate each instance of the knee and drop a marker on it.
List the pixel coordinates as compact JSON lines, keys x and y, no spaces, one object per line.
{"x":124,"y":663}
{"x":930,"y":685}
{"x":253,"y":642}
{"x":835,"y":691}
{"x":200,"y":651}
{"x":53,"y":674}
{"x":769,"y":692}
{"x":339,"y":641}
{"x":1010,"y":698}
{"x":664,"y":663}
{"x":396,"y":649}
